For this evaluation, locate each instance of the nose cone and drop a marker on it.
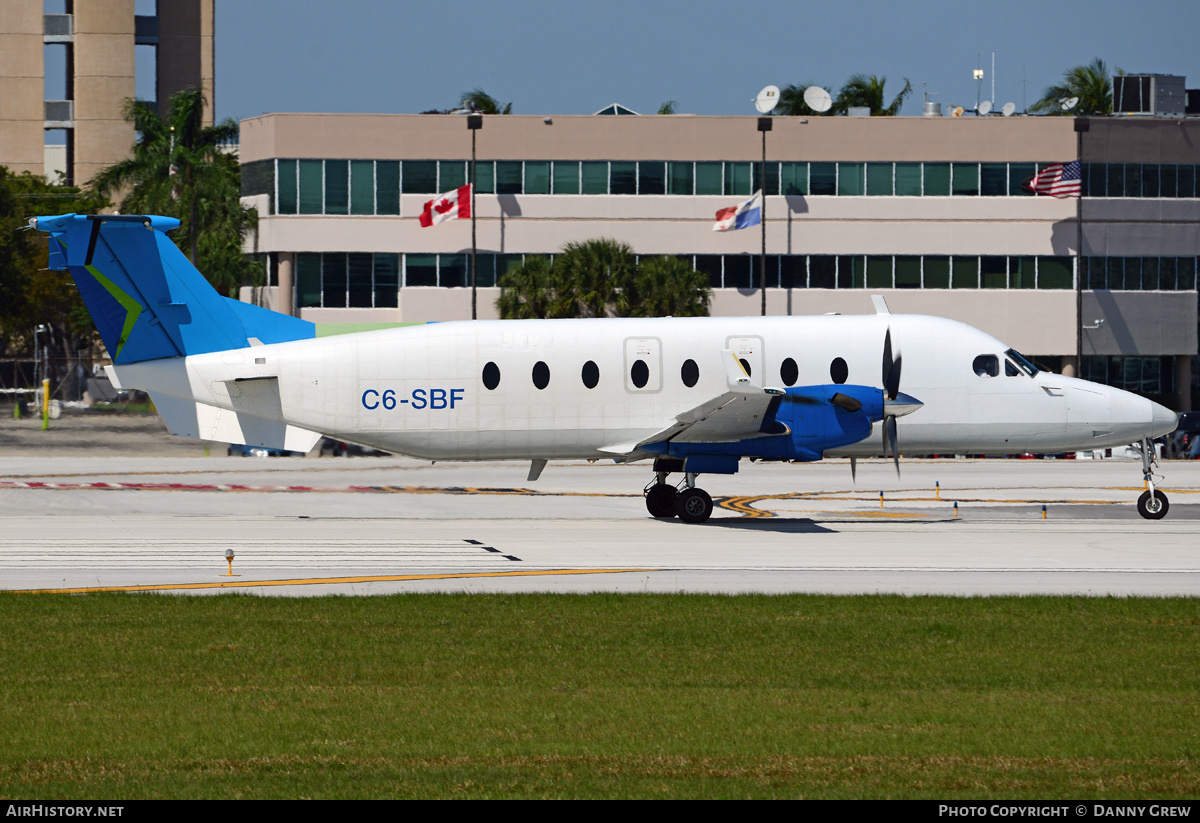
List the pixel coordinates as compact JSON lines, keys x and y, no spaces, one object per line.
{"x":1137,"y":417}
{"x":1164,"y":419}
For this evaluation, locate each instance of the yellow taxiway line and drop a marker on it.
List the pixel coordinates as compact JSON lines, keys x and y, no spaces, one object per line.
{"x":313,"y":581}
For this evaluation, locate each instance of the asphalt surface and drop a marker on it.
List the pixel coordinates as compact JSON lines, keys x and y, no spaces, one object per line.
{"x":112,"y":501}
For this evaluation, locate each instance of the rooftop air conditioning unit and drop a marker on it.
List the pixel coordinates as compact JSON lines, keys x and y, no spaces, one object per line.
{"x":1155,"y":94}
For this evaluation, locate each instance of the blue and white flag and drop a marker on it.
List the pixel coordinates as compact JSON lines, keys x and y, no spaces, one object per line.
{"x":742,"y":216}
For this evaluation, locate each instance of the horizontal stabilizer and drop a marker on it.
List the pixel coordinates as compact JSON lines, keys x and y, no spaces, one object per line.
{"x":188,"y":418}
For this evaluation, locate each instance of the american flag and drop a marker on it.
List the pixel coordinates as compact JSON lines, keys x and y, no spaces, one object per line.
{"x":1058,"y":180}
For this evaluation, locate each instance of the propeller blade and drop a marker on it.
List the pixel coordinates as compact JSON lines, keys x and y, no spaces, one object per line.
{"x":890,"y":433}
{"x":887,"y":355}
{"x":853,"y":468}
{"x":892,"y":383}
{"x":891,"y":368}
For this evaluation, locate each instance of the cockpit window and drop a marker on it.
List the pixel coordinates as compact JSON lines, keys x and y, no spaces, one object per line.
{"x":1023,"y":362}
{"x":986,"y":365}
{"x":1010,"y":370}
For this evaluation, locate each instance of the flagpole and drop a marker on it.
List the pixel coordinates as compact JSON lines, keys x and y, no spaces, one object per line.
{"x":1081,"y":125}
{"x":474,"y":123}
{"x":764,"y":126}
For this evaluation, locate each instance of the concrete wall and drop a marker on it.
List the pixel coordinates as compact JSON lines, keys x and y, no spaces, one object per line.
{"x":656,"y":137}
{"x":185,"y":50}
{"x":22,"y":90}
{"x":104,"y":79}
{"x":1139,"y":322}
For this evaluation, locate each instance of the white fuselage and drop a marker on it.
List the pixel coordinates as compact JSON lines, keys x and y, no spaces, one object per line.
{"x":421,"y":391}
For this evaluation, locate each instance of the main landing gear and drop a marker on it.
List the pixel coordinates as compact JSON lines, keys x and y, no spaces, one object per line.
{"x":1153,"y":504}
{"x":688,"y":503}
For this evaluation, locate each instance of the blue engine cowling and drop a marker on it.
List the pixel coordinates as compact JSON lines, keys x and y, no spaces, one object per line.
{"x":800,"y":424}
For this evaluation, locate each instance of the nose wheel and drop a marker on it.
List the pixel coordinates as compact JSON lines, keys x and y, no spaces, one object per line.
{"x":1153,"y":504}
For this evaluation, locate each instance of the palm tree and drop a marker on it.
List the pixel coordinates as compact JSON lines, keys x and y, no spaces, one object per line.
{"x":1092,"y":84}
{"x":599,"y":272}
{"x":533,"y":290}
{"x":668,"y":286}
{"x":791,"y":102}
{"x":480,"y":101}
{"x":862,"y":91}
{"x":177,"y":169}
{"x":667,"y":107}
{"x":600,"y":278}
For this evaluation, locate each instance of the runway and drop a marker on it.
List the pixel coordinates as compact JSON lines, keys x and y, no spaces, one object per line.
{"x":370,"y":526}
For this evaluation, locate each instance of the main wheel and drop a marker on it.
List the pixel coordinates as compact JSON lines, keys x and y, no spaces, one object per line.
{"x":693,"y":505}
{"x":1153,"y":508}
{"x":660,"y":500}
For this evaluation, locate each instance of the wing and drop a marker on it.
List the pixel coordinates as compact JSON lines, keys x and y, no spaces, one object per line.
{"x":741,"y":412}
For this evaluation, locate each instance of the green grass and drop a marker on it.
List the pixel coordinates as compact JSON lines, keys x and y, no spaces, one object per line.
{"x":130,"y":696}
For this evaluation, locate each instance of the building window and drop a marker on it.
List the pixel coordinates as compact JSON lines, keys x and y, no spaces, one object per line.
{"x":420,"y":270}
{"x":452,"y":174}
{"x":709,"y":178}
{"x":362,"y":186}
{"x":679,"y":178}
{"x":312,"y":185}
{"x":566,"y":177}
{"x":419,"y":177}
{"x":508,"y":177}
{"x":850,"y":179}
{"x":623,"y":178}
{"x":537,"y":177}
{"x":387,"y":187}
{"x":595,"y":177}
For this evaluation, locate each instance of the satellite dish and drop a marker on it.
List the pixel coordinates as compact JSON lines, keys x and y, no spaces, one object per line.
{"x":767,"y":99}
{"x":957,"y":111}
{"x":1070,"y":103}
{"x":984,"y":108}
{"x":1008,"y":109}
{"x":817,"y":99}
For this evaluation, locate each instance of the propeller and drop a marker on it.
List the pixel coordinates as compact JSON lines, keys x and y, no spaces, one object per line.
{"x":891,"y":390}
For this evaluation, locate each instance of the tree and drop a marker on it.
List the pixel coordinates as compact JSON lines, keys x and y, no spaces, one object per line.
{"x":177,"y":169}
{"x":480,"y":101}
{"x":863,"y":91}
{"x":600,"y":278}
{"x":31,"y":295}
{"x":1092,"y":84}
{"x":532,"y":290}
{"x":668,"y":286}
{"x":791,"y":102}
{"x":667,"y":107}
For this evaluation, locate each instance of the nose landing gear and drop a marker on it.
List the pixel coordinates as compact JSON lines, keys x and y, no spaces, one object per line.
{"x":688,"y":503}
{"x":1153,"y":504}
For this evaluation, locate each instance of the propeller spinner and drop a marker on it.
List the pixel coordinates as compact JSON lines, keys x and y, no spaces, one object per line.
{"x":895,"y":402}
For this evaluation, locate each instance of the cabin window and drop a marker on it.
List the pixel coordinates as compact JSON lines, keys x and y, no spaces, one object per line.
{"x":689,"y":373}
{"x":789,"y":372}
{"x":541,"y":375}
{"x":639,"y":373}
{"x":591,"y":374}
{"x":838,"y":370}
{"x":491,"y":376}
{"x":986,"y":365}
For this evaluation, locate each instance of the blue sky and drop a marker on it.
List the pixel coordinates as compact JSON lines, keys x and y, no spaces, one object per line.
{"x":711,"y":57}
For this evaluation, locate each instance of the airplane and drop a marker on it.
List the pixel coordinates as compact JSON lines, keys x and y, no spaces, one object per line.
{"x":692,"y":395}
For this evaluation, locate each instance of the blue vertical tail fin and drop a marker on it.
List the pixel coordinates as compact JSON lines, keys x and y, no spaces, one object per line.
{"x":146,"y":298}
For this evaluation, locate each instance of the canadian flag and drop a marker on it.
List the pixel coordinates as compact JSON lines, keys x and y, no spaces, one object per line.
{"x":447,"y":206}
